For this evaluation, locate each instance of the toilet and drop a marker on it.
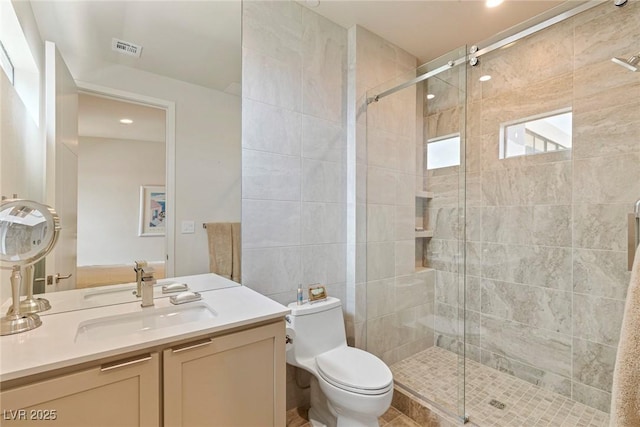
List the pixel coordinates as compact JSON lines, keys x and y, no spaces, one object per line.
{"x":349,"y":387}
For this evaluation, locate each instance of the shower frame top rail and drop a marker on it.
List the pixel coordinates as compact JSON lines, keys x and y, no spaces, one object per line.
{"x":519,"y":34}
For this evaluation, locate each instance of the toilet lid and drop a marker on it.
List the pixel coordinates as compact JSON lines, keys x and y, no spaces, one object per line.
{"x":354,"y":370}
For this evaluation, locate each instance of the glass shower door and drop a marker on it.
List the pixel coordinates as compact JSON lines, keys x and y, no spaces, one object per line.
{"x":415,"y":230}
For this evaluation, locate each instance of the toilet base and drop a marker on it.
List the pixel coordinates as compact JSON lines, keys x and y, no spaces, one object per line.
{"x":322,"y":414}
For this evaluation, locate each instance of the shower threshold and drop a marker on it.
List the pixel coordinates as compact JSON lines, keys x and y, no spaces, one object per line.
{"x":493,"y":398}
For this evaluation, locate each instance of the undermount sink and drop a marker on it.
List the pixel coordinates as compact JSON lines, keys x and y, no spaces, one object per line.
{"x":148,"y":319}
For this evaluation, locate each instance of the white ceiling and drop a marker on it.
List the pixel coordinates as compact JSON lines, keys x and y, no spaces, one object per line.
{"x":200,"y":41}
{"x":430,"y":28}
{"x":100,"y":117}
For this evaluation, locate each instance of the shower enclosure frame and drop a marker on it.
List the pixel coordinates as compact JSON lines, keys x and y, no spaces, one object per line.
{"x":472,"y":57}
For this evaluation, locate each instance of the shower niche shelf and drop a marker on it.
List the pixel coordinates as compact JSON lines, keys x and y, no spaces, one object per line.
{"x":424,"y":234}
{"x":424,"y":194}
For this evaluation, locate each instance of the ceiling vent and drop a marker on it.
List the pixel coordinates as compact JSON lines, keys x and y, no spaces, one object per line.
{"x":126,"y":48}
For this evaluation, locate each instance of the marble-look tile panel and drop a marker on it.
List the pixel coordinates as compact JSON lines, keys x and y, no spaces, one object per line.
{"x":606,"y":132}
{"x":273,"y":28}
{"x":381,"y":149}
{"x":552,"y":225}
{"x":444,"y":222}
{"x":322,"y":140}
{"x":590,"y":396}
{"x":547,"y":350}
{"x":445,"y":190}
{"x":380,"y":260}
{"x":284,"y":219}
{"x":414,"y":289}
{"x":531,"y":305}
{"x":593,"y":364}
{"x":381,"y":185}
{"x":549,"y":267}
{"x":322,"y":181}
{"x":444,"y":254}
{"x":322,"y":223}
{"x":404,"y":222}
{"x":406,"y":154}
{"x":324,"y":58}
{"x":447,"y":287}
{"x":600,"y":273}
{"x":603,"y":85}
{"x":589,"y":314}
{"x":529,"y":373}
{"x":612,"y":179}
{"x":269,"y":176}
{"x":600,"y":226}
{"x":490,"y":158}
{"x":380,"y":297}
{"x":449,"y":320}
{"x":549,"y":53}
{"x":325,"y":264}
{"x":474,"y":227}
{"x":542,"y":97}
{"x":605,"y":35}
{"x":446,"y":88}
{"x":439,"y":123}
{"x":381,"y":336}
{"x":507,"y":224}
{"x":272,"y":270}
{"x":543,"y":184}
{"x":361,"y":303}
{"x":271,"y":129}
{"x":473,"y":262}
{"x":473,"y":293}
{"x":379,"y":223}
{"x":272,"y":81}
{"x":405,"y":257}
{"x":361,"y":223}
{"x":405,"y":190}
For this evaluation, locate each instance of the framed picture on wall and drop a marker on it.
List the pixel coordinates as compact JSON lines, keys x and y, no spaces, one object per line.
{"x":152,"y":210}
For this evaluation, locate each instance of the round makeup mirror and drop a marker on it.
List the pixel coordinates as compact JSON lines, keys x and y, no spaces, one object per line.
{"x":28,"y":232}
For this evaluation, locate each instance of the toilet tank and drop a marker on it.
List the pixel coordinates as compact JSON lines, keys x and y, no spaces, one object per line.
{"x":318,"y":327}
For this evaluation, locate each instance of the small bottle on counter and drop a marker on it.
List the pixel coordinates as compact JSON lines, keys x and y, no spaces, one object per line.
{"x":300,"y":295}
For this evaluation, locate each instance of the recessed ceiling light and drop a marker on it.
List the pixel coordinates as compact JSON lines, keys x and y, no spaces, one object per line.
{"x":493,"y":3}
{"x":126,"y":121}
{"x":485,"y":78}
{"x":430,"y":96}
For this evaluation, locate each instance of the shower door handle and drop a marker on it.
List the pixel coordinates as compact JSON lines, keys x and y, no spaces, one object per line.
{"x":633,"y":234}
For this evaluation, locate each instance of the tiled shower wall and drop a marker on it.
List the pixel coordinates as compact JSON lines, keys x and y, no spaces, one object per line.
{"x":546,"y":253}
{"x":394,"y":302}
{"x":293,"y":154}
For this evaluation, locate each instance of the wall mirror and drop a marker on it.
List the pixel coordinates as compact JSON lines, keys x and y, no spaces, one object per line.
{"x":190,"y":56}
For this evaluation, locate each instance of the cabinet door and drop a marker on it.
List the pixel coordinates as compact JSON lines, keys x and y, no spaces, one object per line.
{"x":228,"y":381}
{"x":123,"y":393}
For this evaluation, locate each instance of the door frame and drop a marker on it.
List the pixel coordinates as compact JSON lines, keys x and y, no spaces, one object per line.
{"x":170,"y":145}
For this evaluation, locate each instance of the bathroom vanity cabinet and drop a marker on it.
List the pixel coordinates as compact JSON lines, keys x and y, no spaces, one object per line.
{"x":122,"y":393}
{"x":216,"y":362}
{"x":228,"y":379}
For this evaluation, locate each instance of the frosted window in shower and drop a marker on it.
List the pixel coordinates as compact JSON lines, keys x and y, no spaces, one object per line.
{"x":535,"y":135}
{"x":443,"y":152}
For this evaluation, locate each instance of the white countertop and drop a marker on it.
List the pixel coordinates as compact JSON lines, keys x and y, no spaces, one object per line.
{"x":53,"y":345}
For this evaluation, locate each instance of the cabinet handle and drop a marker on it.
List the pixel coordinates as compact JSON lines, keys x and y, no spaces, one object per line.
{"x":116,"y":365}
{"x":189,"y":347}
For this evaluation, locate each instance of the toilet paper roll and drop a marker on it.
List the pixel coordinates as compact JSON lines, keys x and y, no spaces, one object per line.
{"x":290,"y":338}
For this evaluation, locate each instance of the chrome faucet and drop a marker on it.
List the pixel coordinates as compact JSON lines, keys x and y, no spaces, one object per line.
{"x":147,"y":283}
{"x":139,"y":269}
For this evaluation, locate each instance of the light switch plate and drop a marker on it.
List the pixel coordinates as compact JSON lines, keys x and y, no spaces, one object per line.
{"x":188,"y":227}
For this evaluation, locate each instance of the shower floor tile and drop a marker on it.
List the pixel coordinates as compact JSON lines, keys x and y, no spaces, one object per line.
{"x":433,"y":374}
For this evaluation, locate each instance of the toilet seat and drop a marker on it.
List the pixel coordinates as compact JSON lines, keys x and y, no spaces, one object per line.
{"x":355,"y":370}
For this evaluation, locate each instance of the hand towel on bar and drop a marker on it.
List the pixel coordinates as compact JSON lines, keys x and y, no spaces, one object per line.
{"x":235,"y":251}
{"x":625,"y":394}
{"x":220,"y":248}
